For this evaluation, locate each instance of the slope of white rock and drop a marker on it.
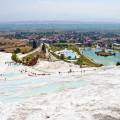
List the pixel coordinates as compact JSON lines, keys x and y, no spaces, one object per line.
{"x":94,"y":96}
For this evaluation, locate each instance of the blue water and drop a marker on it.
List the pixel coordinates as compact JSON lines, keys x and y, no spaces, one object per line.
{"x":11,"y":74}
{"x":59,"y":26}
{"x":69,"y":53}
{"x":110,"y":60}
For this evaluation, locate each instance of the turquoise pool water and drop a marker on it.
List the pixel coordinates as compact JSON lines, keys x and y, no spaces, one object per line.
{"x":69,"y":53}
{"x":110,"y":60}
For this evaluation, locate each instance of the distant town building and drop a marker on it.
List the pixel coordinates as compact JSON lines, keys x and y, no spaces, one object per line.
{"x":116,"y":46}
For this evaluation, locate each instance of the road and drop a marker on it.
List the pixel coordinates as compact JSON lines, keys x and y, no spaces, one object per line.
{"x":20,"y":56}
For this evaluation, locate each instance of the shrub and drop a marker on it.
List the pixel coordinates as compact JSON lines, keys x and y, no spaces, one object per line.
{"x":30,"y":60}
{"x":14,"y":57}
{"x":118,"y":63}
{"x":18,"y":50}
{"x":79,"y":62}
{"x":62,"y":56}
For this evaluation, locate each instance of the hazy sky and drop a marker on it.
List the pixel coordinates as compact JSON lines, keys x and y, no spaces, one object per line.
{"x":67,"y":10}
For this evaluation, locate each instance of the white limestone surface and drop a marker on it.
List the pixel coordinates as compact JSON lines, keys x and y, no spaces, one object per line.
{"x":96,"y":98}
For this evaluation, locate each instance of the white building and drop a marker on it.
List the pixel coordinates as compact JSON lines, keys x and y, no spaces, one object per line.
{"x":116,"y":46}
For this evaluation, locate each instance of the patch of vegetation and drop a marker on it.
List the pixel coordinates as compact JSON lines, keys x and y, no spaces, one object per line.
{"x":61,"y":45}
{"x":62,"y":56}
{"x":26,"y":49}
{"x":86,"y":61}
{"x":83,"y":60}
{"x":34,"y":44}
{"x":74,"y":48}
{"x":44,"y":48}
{"x":55,"y":55}
{"x":63,"y":41}
{"x":18,"y":50}
{"x":118,"y":64}
{"x":79,"y":62}
{"x":56,"y":48}
{"x":15,"y":58}
{"x":30,"y":60}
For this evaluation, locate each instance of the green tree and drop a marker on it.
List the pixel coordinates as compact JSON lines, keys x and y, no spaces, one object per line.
{"x":44,"y":48}
{"x":34,"y":45}
{"x":14,"y":57}
{"x":118,"y":63}
{"x":18,"y":50}
{"x":80,"y":62}
{"x":62,"y":56}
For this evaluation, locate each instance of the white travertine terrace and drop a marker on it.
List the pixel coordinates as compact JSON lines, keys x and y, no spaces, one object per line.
{"x":97,"y":99}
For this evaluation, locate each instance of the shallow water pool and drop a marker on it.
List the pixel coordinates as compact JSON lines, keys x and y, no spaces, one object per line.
{"x":69,"y":53}
{"x":17,"y":90}
{"x":19,"y":86}
{"x":110,"y":60}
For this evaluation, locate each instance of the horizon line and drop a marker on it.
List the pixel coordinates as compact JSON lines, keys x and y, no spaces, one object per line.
{"x":59,"y":22}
